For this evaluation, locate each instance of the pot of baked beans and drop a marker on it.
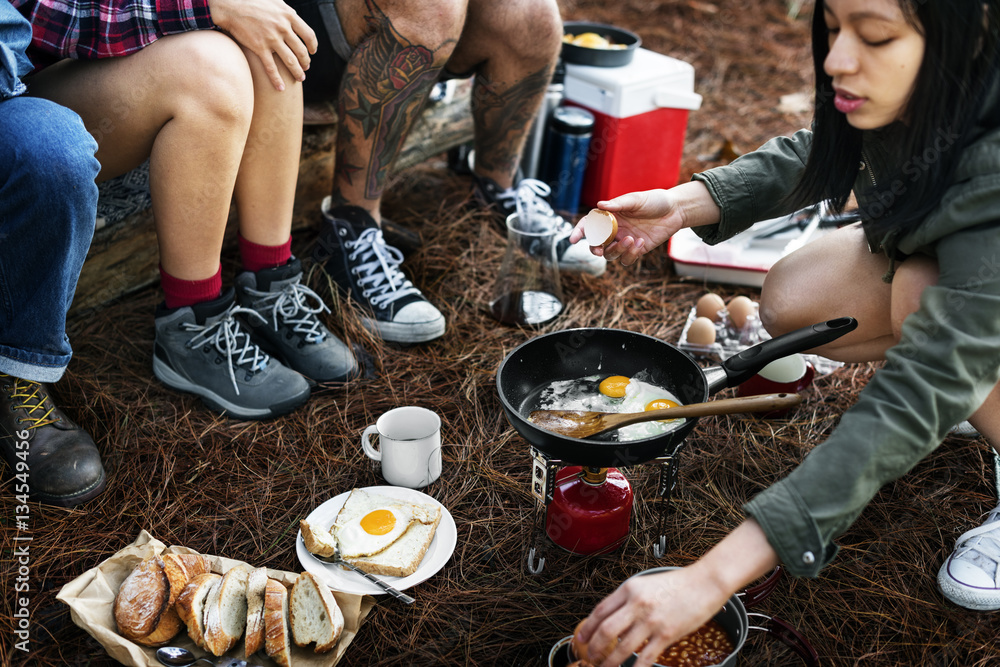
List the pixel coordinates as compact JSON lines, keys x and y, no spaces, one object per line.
{"x":718,"y":642}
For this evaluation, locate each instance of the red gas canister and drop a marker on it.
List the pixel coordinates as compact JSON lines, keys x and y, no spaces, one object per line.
{"x":590,"y":511}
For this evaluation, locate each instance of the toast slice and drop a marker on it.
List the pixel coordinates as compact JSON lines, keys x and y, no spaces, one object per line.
{"x":402,"y":557}
{"x":256,"y":586}
{"x":317,"y":539}
{"x":277,"y":633}
{"x":191,"y":604}
{"x":314,"y":613}
{"x":226,"y":612}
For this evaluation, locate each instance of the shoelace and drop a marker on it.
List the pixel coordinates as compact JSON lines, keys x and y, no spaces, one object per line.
{"x":381,"y":281}
{"x":291,"y":305}
{"x":528,"y":199}
{"x":33,"y":399}
{"x":230,"y":340}
{"x":984,"y":540}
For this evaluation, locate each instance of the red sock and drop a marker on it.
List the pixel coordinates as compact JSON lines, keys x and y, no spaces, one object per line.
{"x":179,"y":293}
{"x":257,"y":257}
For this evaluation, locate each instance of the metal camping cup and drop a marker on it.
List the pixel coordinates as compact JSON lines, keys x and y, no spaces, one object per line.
{"x":409,"y":446}
{"x":734,"y":619}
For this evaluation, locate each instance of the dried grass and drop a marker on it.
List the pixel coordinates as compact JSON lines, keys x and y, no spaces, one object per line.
{"x":239,"y":489}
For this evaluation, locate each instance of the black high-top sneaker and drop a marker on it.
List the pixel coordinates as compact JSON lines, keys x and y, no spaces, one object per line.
{"x":355,"y":255}
{"x":51,"y":459}
{"x":289,"y":326}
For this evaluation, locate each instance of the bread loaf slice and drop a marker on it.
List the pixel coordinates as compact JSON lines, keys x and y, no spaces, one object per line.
{"x":317,"y":539}
{"x":256,"y":587}
{"x":179,"y":569}
{"x":277,"y":633}
{"x":190,"y":604}
{"x":141,"y":600}
{"x":226,"y":613}
{"x":314,"y":613}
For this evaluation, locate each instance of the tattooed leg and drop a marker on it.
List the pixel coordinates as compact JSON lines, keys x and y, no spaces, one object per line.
{"x":384,"y":87}
{"x":512,"y":47}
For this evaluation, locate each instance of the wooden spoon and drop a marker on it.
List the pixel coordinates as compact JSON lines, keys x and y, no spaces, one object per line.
{"x":583,"y":424}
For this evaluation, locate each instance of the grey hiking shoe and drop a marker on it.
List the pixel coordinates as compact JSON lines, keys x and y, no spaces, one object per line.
{"x":527,"y":199}
{"x":205,"y":350}
{"x":289,"y":327}
{"x":355,"y":255}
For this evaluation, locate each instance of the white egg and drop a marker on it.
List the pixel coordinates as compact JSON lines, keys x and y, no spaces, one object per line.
{"x":374,"y":531}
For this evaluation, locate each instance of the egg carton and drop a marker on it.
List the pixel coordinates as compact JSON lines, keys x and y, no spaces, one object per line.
{"x":731,"y":340}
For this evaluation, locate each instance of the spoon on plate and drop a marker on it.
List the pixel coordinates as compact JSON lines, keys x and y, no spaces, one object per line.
{"x":584,"y":424}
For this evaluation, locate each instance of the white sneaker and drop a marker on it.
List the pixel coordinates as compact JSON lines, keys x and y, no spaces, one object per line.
{"x":964,"y":428}
{"x":971,"y":576}
{"x":528,"y":199}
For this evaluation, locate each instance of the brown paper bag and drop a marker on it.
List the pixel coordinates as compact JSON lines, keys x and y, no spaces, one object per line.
{"x":91,"y":595}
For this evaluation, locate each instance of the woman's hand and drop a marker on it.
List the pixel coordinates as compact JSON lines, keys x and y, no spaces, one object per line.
{"x":647,"y":219}
{"x":665,"y":607}
{"x":271,"y":30}
{"x":661,"y":608}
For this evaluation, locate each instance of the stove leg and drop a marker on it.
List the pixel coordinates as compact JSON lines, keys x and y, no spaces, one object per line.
{"x":537,"y":544}
{"x":668,"y":480}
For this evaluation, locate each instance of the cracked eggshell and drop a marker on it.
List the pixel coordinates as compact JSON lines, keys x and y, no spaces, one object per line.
{"x":599,"y":227}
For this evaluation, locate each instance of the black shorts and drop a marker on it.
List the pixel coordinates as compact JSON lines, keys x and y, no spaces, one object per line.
{"x":330,"y":60}
{"x":328,"y":63}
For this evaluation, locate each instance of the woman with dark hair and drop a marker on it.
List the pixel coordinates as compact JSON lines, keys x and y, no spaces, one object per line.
{"x":907,"y":119}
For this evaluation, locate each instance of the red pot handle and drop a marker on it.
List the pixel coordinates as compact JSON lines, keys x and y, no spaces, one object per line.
{"x":761,"y":591}
{"x":790,"y":637}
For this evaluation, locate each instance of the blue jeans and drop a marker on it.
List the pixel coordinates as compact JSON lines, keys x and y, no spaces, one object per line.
{"x":48,"y":208}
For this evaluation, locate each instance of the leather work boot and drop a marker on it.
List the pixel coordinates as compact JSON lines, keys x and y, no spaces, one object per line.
{"x":51,"y":459}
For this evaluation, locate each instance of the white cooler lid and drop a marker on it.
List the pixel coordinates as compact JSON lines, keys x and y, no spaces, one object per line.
{"x":651,"y":81}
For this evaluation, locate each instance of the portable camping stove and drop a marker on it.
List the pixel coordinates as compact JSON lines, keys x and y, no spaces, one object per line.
{"x":588,"y":510}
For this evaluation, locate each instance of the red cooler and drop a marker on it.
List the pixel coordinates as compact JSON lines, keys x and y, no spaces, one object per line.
{"x":641,"y":112}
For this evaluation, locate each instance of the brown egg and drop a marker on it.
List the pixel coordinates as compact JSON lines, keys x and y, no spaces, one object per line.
{"x":599,"y":227}
{"x":701,"y":331}
{"x":740,"y":309}
{"x":709,"y":306}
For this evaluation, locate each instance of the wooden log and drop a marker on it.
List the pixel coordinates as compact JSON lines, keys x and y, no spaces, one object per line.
{"x":123,"y":256}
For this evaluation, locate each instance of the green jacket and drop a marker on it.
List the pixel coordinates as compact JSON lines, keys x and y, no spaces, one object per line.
{"x":945,"y":365}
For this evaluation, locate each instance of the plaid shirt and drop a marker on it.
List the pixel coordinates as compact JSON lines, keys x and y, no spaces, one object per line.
{"x":88,"y":29}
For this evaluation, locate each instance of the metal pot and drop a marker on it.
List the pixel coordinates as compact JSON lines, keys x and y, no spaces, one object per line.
{"x":577,"y":353}
{"x":733,"y":618}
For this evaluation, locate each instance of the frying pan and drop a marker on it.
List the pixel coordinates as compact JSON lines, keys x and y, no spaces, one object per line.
{"x":577,"y":353}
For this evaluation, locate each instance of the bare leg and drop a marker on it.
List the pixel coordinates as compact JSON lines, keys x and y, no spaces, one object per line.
{"x":512,"y":47}
{"x":401,"y":47}
{"x":186,"y":103}
{"x":265,"y":185}
{"x":836,"y":275}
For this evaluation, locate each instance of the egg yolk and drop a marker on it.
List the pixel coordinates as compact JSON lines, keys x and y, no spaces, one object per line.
{"x":614,"y":386}
{"x":662,"y":404}
{"x":378,"y":522}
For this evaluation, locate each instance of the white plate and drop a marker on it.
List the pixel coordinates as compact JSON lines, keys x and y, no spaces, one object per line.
{"x":339,"y":579}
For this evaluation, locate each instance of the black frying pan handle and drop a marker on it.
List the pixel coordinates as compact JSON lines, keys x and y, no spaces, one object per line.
{"x":744,"y":365}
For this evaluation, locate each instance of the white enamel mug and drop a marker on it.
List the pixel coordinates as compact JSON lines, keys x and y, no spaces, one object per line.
{"x":409,"y":446}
